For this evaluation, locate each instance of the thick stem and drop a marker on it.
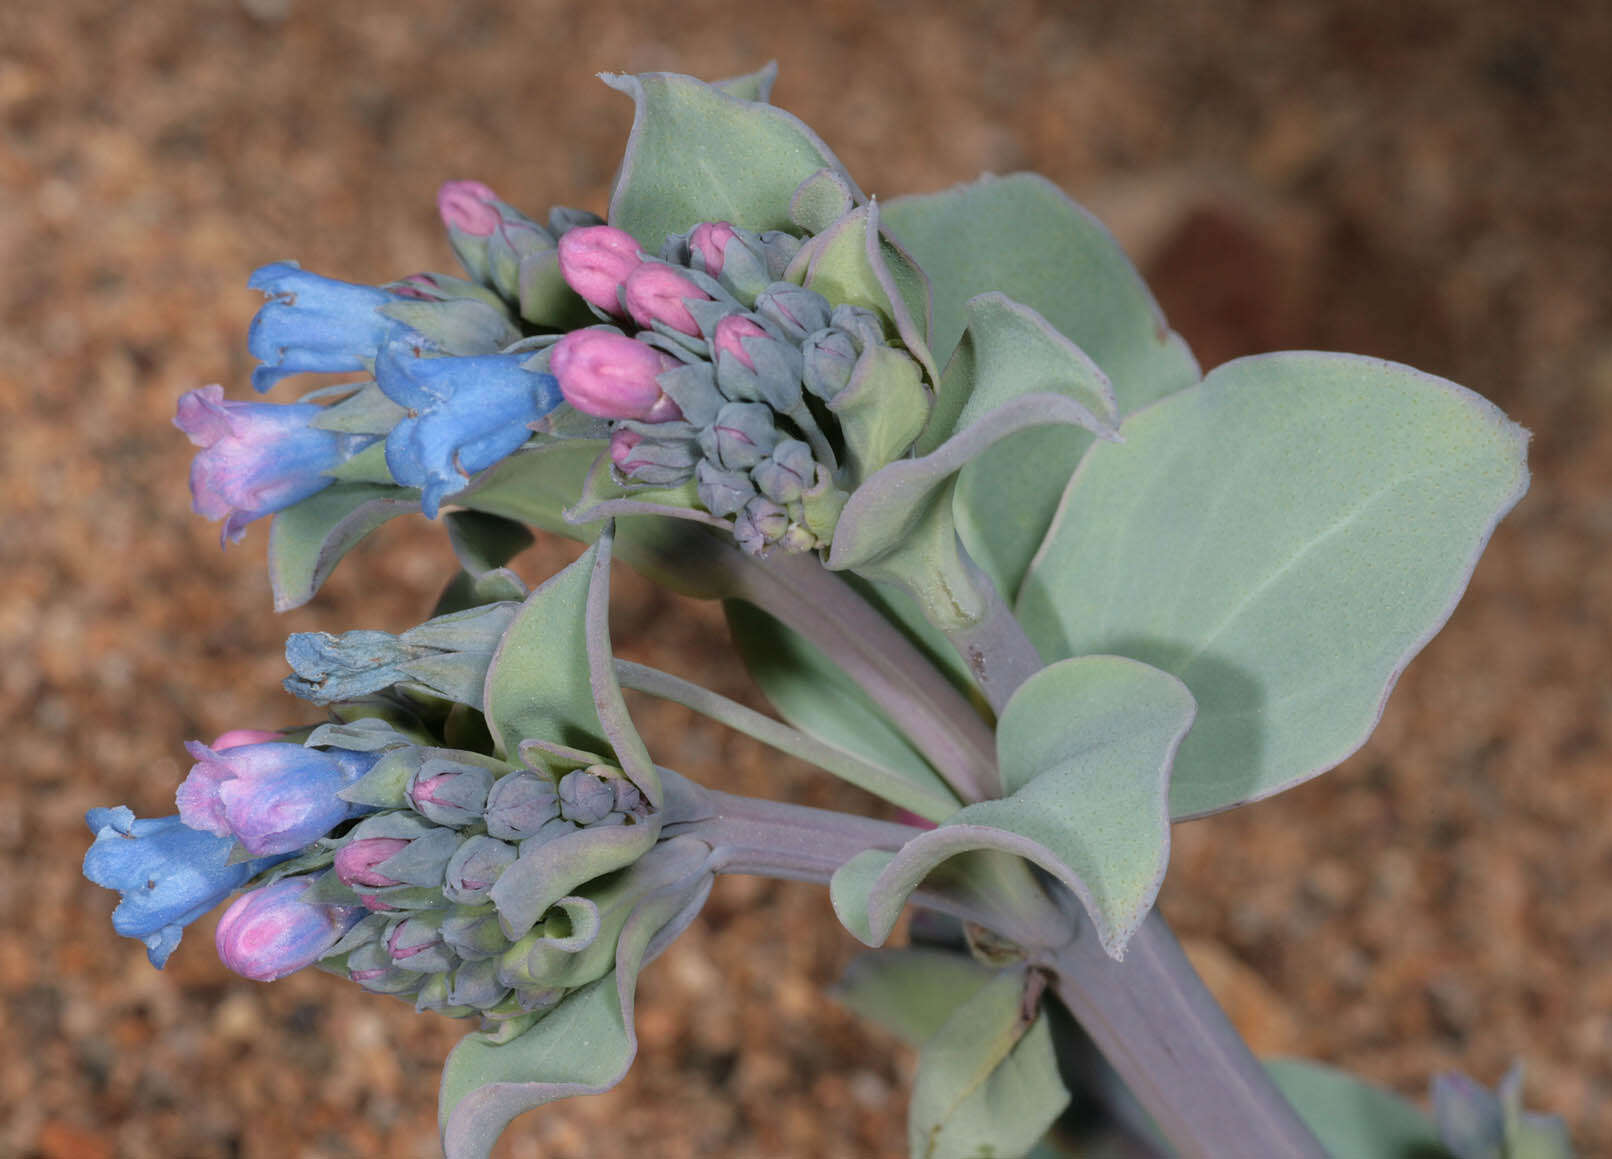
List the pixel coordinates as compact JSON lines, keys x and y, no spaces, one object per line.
{"x":998,"y":653}
{"x":1161,"y":1029}
{"x":936,"y":717}
{"x":798,"y":843}
{"x":1152,"y":1016}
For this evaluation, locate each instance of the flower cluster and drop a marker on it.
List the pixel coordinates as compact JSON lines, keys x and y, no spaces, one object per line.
{"x":730,"y":379}
{"x":456,"y":381}
{"x":379,"y":857}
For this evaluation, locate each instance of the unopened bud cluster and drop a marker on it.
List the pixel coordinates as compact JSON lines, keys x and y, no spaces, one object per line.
{"x":715,"y":368}
{"x":424,"y":875}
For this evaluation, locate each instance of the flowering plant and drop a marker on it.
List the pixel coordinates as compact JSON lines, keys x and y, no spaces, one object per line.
{"x":988,"y":541}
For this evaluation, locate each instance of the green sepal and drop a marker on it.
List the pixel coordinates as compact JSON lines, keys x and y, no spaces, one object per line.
{"x":697,"y":153}
{"x":368,"y":466}
{"x":540,"y":877}
{"x":880,"y":412}
{"x":386,"y":783}
{"x":1284,"y":537}
{"x":308,"y":539}
{"x":987,"y":1082}
{"x":819,"y":201}
{"x":854,"y":262}
{"x":751,"y":86}
{"x":579,"y":946}
{"x":367,"y":411}
{"x":328,"y":889}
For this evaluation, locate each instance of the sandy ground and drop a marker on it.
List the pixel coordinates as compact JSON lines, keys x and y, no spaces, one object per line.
{"x":1425,"y":182}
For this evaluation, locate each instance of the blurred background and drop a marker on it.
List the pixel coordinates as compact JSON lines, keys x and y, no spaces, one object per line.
{"x":1427,"y":182}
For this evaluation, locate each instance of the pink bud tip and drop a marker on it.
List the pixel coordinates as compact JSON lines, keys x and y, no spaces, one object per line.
{"x":656,"y":293}
{"x":356,"y":861}
{"x":622,"y":444}
{"x":611,"y":376}
{"x":710,"y":240}
{"x":468,"y":207}
{"x":236,"y":737}
{"x":595,"y":260}
{"x":729,"y":333}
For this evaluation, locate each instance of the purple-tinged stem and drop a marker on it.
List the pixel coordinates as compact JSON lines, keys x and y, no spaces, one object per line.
{"x":1161,"y":1029}
{"x":1150,"y":1014}
{"x":927,"y":708}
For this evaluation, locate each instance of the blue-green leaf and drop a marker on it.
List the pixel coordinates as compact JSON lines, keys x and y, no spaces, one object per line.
{"x":911,"y":992}
{"x":583,"y":1046}
{"x":1283,"y":537}
{"x":814,"y":695}
{"x":536,"y":686}
{"x":854,"y":262}
{"x":1085,"y":747}
{"x":1022,"y":236}
{"x":307,"y":540}
{"x":698,"y":154}
{"x":1352,"y":1119}
{"x":987,"y":1082}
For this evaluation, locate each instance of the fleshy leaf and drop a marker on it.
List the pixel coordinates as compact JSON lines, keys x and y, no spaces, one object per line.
{"x":583,"y":1046}
{"x":1352,"y":1119}
{"x":1284,"y":538}
{"x":1085,"y":747}
{"x":1012,"y":373}
{"x":1006,"y":497}
{"x":911,"y":993}
{"x":854,"y":262}
{"x":536,"y":484}
{"x":751,"y":86}
{"x":898,"y":526}
{"x":483,"y":542}
{"x":987,"y":1082}
{"x":534,"y":686}
{"x":814,"y":695}
{"x":306,"y":541}
{"x":820,"y":201}
{"x":697,"y":154}
{"x":533,"y":690}
{"x":1022,"y":236}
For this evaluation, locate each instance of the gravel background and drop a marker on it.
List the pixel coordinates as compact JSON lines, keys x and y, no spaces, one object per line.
{"x":1423,"y":182}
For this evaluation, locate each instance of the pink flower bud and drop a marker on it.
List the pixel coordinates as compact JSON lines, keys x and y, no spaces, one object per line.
{"x":468,"y":207}
{"x":611,"y":376}
{"x":710,"y":240}
{"x":595,"y":260}
{"x":656,"y":293}
{"x":236,"y":737}
{"x":356,"y":861}
{"x":728,"y":334}
{"x":271,"y":932}
{"x":622,"y":444}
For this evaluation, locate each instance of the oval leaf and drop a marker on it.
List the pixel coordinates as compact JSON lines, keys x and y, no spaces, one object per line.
{"x":1352,"y":1119}
{"x":534,"y":682}
{"x":1085,"y":748}
{"x":1284,"y":538}
{"x":987,"y":1082}
{"x":1022,"y":236}
{"x":697,"y":154}
{"x":307,"y":540}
